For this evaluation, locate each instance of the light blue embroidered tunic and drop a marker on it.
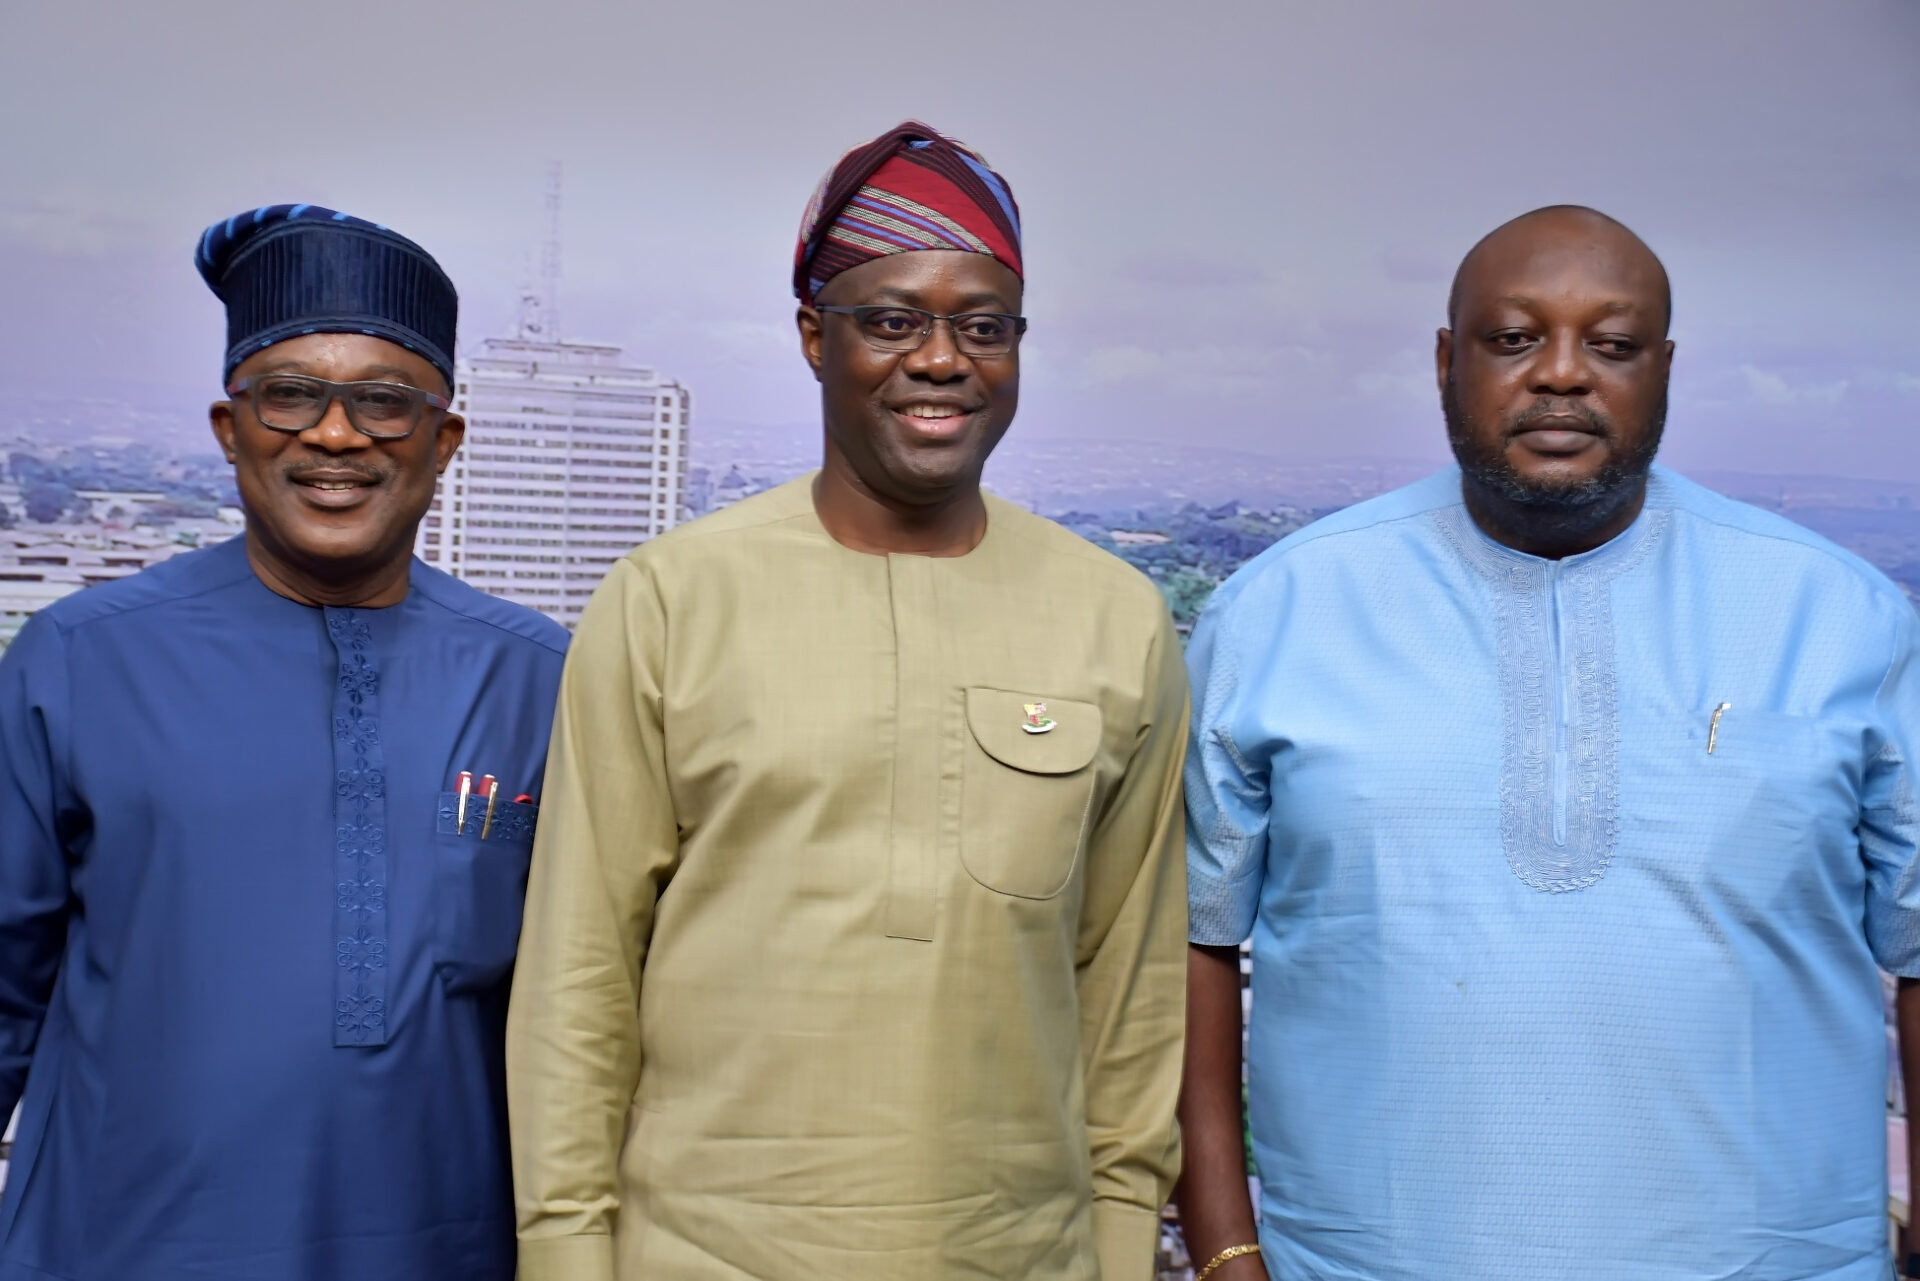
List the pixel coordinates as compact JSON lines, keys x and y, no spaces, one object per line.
{"x":252,"y":980}
{"x":1566,"y":883}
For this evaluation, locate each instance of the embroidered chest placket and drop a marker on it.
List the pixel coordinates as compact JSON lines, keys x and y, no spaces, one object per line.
{"x":360,"y":837}
{"x":1559,"y":704}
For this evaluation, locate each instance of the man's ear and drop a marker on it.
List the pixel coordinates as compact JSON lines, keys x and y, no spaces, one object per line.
{"x":1442,"y":358}
{"x":446,"y":441}
{"x":811,"y":337}
{"x":220,"y":418}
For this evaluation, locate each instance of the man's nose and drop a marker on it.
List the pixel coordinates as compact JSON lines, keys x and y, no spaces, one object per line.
{"x":335,"y":431}
{"x":939,"y":358}
{"x":1562,"y":367}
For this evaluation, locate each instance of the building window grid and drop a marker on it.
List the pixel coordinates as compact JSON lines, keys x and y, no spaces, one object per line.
{"x":547,"y":433}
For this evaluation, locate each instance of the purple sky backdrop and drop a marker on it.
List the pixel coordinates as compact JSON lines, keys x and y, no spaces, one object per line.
{"x":1241,"y":216}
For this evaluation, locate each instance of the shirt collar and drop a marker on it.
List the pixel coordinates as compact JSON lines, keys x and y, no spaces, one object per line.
{"x":1617,"y":554}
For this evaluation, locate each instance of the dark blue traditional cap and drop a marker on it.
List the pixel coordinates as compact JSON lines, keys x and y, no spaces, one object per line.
{"x":287,"y":270}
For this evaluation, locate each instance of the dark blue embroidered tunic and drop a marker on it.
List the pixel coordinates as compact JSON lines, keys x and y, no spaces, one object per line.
{"x":252,"y":979}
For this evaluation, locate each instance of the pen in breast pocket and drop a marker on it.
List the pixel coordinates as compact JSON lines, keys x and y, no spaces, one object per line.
{"x":460,"y":812}
{"x":1713,"y":727}
{"x":491,"y":786}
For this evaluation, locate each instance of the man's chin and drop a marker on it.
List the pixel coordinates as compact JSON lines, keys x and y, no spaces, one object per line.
{"x":348,"y":544}
{"x":1555,"y":493}
{"x":1562,"y":510}
{"x":930,"y":473}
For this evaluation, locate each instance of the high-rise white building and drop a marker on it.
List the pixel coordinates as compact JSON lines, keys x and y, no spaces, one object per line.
{"x":572,"y":458}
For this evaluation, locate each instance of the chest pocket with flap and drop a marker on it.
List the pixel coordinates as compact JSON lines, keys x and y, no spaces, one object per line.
{"x":480,"y":888}
{"x":1025,"y":796}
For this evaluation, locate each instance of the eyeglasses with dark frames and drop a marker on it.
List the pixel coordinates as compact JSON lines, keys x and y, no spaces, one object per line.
{"x":297,"y":402}
{"x":975,"y":333}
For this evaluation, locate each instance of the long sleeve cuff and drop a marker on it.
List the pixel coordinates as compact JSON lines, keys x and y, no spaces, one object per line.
{"x":587,"y":1257}
{"x":1125,"y":1237}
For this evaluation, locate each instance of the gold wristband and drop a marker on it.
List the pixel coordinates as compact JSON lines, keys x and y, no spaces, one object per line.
{"x":1231,"y":1252}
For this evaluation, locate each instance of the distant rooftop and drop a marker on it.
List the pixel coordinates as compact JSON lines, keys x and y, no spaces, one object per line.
{"x":529,"y":357}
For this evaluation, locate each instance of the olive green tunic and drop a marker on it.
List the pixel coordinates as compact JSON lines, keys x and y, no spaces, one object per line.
{"x":841,"y":960}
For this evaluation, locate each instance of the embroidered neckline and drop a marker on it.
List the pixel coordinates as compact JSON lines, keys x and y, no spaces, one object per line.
{"x":1612,"y":558}
{"x":1559,"y":794}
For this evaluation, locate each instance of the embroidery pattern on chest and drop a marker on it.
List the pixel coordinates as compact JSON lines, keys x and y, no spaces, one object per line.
{"x":360,"y":838}
{"x":1560,"y":707}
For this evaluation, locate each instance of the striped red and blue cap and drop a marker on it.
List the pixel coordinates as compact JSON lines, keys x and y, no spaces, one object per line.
{"x":288,"y":270}
{"x":911,"y":188}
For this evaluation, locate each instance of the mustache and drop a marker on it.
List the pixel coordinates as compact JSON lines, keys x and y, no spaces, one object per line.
{"x":1596,"y":422}
{"x":336,"y":470}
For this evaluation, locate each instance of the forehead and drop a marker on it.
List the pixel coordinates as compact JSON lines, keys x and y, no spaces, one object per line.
{"x":937,"y":279}
{"x":342,"y":358}
{"x":1563,"y":266}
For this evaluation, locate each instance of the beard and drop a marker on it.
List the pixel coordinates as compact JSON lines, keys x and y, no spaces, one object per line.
{"x":1549,"y":509}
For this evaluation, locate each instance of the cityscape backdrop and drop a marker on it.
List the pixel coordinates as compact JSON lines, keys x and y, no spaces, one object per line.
{"x":1241,"y":219}
{"x":1241,"y":214}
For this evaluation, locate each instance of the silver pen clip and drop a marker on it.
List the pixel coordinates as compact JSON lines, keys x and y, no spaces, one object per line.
{"x":1713,"y":727}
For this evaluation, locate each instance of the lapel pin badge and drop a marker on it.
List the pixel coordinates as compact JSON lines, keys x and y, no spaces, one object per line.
{"x":1037,"y":722}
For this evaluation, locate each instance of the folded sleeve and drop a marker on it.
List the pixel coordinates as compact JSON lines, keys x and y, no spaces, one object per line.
{"x":35,"y":888}
{"x":1890,"y":812}
{"x":1125,"y":1238}
{"x":1226,"y":794}
{"x":607,"y":844}
{"x":1131,"y":980}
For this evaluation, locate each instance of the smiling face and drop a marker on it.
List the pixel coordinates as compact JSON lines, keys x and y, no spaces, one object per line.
{"x":915,"y":428}
{"x":329,"y":506}
{"x":1554,"y":375}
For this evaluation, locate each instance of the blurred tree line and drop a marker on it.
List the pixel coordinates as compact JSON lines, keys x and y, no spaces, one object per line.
{"x":1202,"y":546}
{"x":50,"y":487}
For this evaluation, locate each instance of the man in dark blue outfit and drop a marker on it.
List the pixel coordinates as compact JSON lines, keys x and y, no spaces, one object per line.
{"x":255,"y":929}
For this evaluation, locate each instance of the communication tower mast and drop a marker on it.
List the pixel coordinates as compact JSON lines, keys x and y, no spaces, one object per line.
{"x":537,"y":318}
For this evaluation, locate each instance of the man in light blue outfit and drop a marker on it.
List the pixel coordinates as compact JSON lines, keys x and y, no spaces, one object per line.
{"x":1569,"y":807}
